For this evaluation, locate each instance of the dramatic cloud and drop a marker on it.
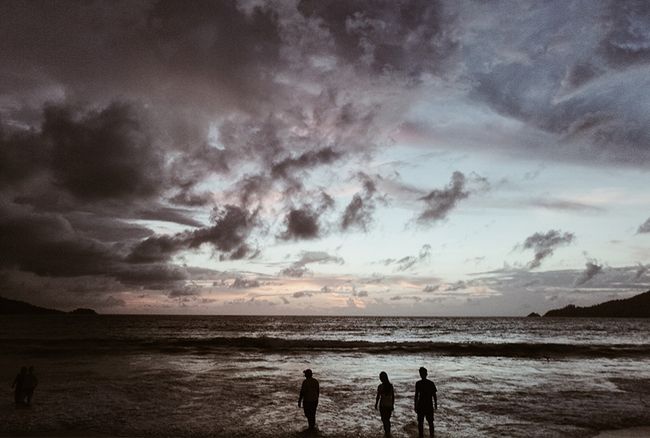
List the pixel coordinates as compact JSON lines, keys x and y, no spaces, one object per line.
{"x":592,"y":268}
{"x":544,"y":244}
{"x":124,"y":125}
{"x":440,"y":202}
{"x":228,"y":235}
{"x":102,"y":155}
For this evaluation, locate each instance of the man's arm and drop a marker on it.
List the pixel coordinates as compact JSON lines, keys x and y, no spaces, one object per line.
{"x":435,"y":400}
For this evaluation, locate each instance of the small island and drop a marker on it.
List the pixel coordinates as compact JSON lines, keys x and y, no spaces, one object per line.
{"x":82,"y":311}
{"x":533,"y":315}
{"x":637,"y":306}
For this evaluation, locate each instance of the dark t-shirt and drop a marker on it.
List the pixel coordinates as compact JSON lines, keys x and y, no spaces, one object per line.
{"x":425,"y":389}
{"x":310,"y":390}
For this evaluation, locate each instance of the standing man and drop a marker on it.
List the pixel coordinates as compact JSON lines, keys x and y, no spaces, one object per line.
{"x":29,"y":385}
{"x":309,"y":393}
{"x":425,"y":402}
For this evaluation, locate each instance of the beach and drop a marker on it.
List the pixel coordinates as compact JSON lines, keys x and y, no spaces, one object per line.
{"x":213,"y":379}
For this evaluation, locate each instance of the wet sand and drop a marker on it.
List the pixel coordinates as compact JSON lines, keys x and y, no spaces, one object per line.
{"x":634,"y":432}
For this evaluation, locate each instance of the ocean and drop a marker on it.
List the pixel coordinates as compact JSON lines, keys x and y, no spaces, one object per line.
{"x":239,"y":376}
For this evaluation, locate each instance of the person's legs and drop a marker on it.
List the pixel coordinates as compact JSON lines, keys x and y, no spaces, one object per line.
{"x":385,"y":419}
{"x":420,"y":425}
{"x":430,"y":421}
{"x":310,"y":413}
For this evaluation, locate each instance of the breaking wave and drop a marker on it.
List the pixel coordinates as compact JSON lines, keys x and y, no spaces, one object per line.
{"x":282,"y":345}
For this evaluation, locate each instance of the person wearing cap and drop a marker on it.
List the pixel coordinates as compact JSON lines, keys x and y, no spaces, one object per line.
{"x":425,"y":402}
{"x":309,"y":397}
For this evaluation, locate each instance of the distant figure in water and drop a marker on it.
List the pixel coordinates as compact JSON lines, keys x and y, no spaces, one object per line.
{"x":386,"y":401}
{"x":309,"y":393}
{"x":425,"y":392}
{"x":19,"y":387}
{"x":29,"y":385}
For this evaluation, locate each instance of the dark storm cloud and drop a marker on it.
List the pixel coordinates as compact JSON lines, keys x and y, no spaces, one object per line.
{"x":52,"y":247}
{"x":592,"y":268}
{"x":304,"y":223}
{"x":301,"y":224}
{"x":644,"y":227}
{"x":208,"y":51}
{"x":147,"y":102}
{"x":431,"y":288}
{"x":102,"y":155}
{"x":20,"y":155}
{"x":228,"y":235}
{"x":405,"y":37}
{"x":544,"y":244}
{"x":439,"y":202}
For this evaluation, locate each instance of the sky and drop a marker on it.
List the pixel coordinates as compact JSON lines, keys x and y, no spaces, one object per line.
{"x":440,"y":158}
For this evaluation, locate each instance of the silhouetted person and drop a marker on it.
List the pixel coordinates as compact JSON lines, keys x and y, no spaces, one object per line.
{"x":19,"y":387}
{"x":309,"y":393}
{"x":425,"y":402}
{"x":29,"y":385}
{"x":386,"y":400}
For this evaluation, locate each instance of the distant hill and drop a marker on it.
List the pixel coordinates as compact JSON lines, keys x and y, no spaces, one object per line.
{"x":14,"y":307}
{"x":637,"y":306}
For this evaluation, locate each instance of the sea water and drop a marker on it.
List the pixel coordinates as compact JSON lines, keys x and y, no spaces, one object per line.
{"x":201,"y":376}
